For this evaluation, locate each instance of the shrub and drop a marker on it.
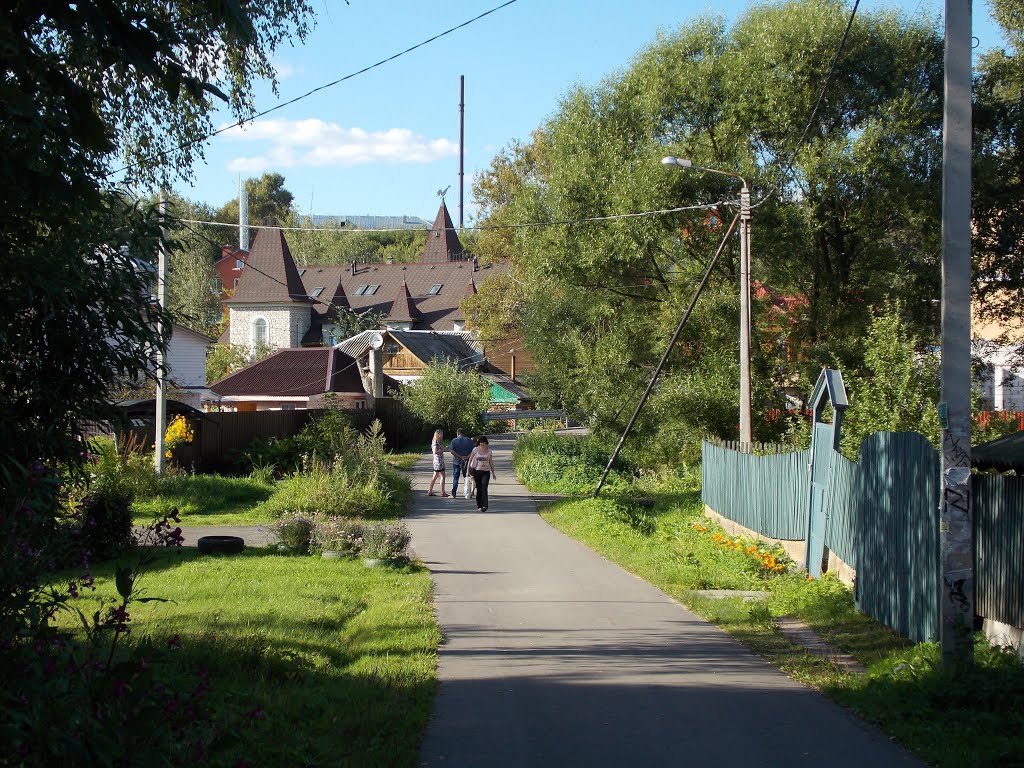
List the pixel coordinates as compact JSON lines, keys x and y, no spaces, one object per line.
{"x":106,"y":522}
{"x":386,"y":541}
{"x":338,"y":534}
{"x":294,"y":532}
{"x":563,"y":464}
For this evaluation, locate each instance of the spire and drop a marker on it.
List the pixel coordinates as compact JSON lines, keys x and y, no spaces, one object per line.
{"x":270,"y":274}
{"x":339,"y":301}
{"x":443,"y":242}
{"x":403,"y":310}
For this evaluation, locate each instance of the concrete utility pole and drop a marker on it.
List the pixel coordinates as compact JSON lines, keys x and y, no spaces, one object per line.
{"x":746,"y":429}
{"x":462,"y":141}
{"x":161,"y":359}
{"x":955,"y":530}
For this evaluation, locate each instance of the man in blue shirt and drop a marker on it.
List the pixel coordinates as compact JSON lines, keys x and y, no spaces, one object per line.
{"x":461,"y":447}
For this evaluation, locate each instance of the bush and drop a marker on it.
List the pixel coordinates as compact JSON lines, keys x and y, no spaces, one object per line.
{"x":337,"y":491}
{"x":338,"y":534}
{"x":385,"y":541}
{"x":106,"y":522}
{"x":294,"y":532}
{"x":564,"y":464}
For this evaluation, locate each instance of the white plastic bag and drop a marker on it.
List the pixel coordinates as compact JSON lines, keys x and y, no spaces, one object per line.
{"x":467,"y":487}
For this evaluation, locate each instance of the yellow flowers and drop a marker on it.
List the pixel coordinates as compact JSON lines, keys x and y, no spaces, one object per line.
{"x":178,"y":432}
{"x":771,"y":560}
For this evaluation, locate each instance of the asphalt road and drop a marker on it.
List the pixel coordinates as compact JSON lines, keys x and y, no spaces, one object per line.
{"x":555,"y":657}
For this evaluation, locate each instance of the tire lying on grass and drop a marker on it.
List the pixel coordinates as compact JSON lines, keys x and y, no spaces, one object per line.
{"x":230,"y":545}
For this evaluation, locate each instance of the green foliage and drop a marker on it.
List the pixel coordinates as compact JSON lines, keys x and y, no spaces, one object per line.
{"x":295,"y":532}
{"x":448,"y":395}
{"x":270,"y":203}
{"x":552,"y":463}
{"x":385,"y":541}
{"x":897,"y":391}
{"x":338,"y":534}
{"x":296,"y":657}
{"x":106,"y":523}
{"x":224,"y":359}
{"x":597,"y":302}
{"x":203,"y":499}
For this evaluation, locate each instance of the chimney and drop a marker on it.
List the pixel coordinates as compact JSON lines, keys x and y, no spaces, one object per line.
{"x":377,"y":372}
{"x":476,"y":264}
{"x":243,"y":216}
{"x":353,"y":267}
{"x":513,"y":371}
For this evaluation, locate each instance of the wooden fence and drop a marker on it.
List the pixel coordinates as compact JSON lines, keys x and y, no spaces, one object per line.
{"x":222,"y":437}
{"x":882,"y":518}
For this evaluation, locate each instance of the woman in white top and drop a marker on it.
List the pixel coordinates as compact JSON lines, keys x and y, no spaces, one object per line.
{"x":481,"y":466}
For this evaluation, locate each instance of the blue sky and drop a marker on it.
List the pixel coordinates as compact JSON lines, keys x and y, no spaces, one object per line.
{"x":384,"y":142}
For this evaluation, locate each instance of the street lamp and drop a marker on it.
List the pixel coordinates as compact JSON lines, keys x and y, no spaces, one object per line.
{"x":678,"y":162}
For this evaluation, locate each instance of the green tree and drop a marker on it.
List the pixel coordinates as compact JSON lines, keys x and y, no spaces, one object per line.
{"x":447,"y":396}
{"x":94,"y":92}
{"x":998,"y":203}
{"x":897,"y":390}
{"x":854,"y":219}
{"x":270,"y":203}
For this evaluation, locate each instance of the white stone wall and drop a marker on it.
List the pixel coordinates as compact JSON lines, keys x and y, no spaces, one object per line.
{"x":285,"y":324}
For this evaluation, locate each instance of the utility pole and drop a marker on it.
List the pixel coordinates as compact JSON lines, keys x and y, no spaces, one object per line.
{"x":462,"y":141}
{"x":746,"y":431}
{"x":161,"y":358}
{"x":955,"y":528}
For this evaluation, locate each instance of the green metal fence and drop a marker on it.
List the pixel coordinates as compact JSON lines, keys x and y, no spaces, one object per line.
{"x":767,"y":494}
{"x":999,"y":547}
{"x":841,"y":509}
{"x":896,"y":533}
{"x":883,"y":520}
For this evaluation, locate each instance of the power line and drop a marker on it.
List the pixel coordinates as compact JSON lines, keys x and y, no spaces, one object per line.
{"x":325,"y":86}
{"x":521,"y":225}
{"x":788,"y":168}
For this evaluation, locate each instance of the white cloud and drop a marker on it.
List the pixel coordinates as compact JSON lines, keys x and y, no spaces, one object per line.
{"x":322,"y":144}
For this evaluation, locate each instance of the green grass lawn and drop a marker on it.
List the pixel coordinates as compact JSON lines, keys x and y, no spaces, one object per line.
{"x":311,"y":662}
{"x":973,"y":719}
{"x":206,"y":500}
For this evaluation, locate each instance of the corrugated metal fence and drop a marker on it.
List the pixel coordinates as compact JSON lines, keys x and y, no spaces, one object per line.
{"x":767,"y":494}
{"x":999,"y":548}
{"x":883,"y":520}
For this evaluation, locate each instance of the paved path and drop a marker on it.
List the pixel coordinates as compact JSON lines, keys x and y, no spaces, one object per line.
{"x":555,"y":657}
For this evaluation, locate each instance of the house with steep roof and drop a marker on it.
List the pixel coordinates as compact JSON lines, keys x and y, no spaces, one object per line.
{"x":278,"y":304}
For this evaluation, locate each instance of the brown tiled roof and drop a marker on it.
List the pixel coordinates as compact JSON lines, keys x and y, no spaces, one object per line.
{"x":402,"y":308}
{"x":443,"y":242}
{"x":437,"y":311}
{"x":293,"y":373}
{"x":270,"y":275}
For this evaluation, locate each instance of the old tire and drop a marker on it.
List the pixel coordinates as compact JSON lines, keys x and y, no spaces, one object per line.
{"x":230,"y":545}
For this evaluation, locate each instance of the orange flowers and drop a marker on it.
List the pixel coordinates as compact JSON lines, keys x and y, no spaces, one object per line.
{"x":771,"y":560}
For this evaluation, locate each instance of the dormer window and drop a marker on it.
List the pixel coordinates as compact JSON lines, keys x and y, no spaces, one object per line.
{"x":316,"y":292}
{"x":435,"y":289}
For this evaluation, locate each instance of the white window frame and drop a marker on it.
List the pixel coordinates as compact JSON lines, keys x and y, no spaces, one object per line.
{"x":253,"y":342}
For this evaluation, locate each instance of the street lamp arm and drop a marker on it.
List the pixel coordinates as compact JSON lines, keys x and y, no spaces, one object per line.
{"x":680,"y":162}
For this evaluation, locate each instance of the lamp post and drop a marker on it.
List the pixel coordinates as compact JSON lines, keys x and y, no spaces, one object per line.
{"x":745,"y":423}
